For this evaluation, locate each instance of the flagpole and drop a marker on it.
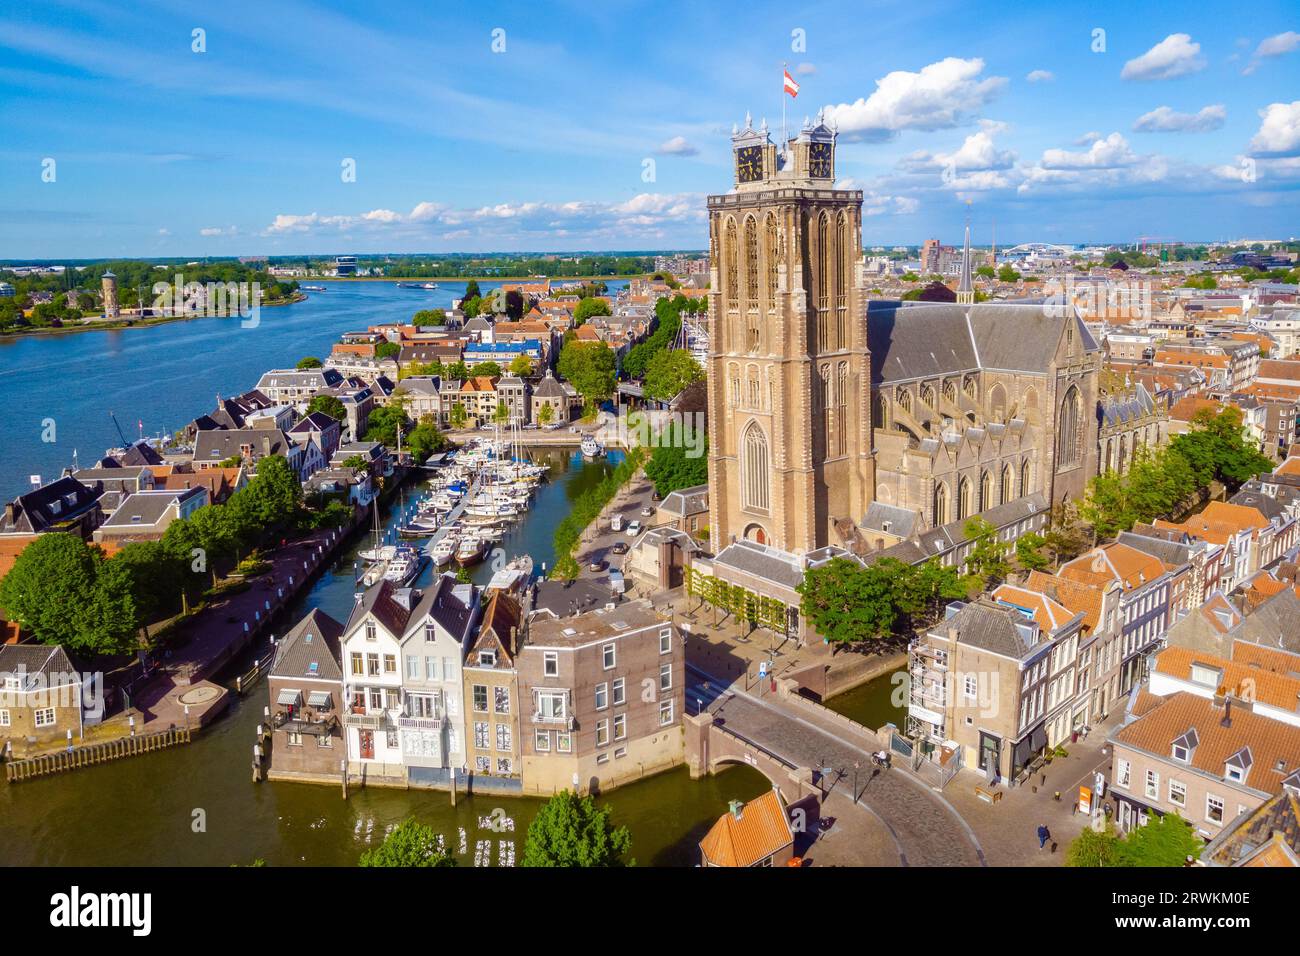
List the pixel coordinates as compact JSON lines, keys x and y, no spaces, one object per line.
{"x":784,"y":137}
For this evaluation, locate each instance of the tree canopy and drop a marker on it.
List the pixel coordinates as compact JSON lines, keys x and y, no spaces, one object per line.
{"x":670,"y":371}
{"x":678,"y":461}
{"x":329,"y":405}
{"x":588,"y":307}
{"x":409,"y":844}
{"x":571,"y":831}
{"x":848,"y":603}
{"x":589,"y":367}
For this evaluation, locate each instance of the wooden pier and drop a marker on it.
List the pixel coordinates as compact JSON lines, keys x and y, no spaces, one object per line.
{"x":90,"y":754}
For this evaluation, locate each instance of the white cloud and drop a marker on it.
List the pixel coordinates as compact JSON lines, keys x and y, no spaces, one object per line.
{"x":1277,"y":45}
{"x":1279,"y":133}
{"x":1162,"y":119}
{"x":940,"y":96}
{"x":805,"y":69}
{"x":1175,"y":55}
{"x":677,"y":146}
{"x":218,"y":231}
{"x":1108,"y":153}
{"x":644,"y":215}
{"x":1040,"y":76}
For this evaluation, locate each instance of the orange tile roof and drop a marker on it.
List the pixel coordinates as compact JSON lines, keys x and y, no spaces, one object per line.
{"x":1075,"y":595}
{"x":1240,"y":680}
{"x":1243,"y":516}
{"x":1185,"y":409}
{"x":1193,"y":359}
{"x":1115,"y":562}
{"x":761,"y":831}
{"x":1048,"y":614}
{"x":1272,"y":659}
{"x":1274,"y":745}
{"x":1289,"y":467}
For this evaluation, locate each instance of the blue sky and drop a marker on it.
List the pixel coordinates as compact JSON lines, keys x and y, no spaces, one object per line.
{"x":1186,"y":125}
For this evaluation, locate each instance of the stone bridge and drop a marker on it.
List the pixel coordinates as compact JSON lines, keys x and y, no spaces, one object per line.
{"x":792,"y":745}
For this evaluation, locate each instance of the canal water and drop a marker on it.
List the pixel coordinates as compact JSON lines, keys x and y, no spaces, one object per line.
{"x":58,"y":390}
{"x":878,"y":702}
{"x":197,"y":804}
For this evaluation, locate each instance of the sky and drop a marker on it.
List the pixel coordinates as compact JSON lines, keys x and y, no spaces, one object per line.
{"x":249,"y":128}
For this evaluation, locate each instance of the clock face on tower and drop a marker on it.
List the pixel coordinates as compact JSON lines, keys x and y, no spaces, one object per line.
{"x":749,"y":164}
{"x":819,"y":160}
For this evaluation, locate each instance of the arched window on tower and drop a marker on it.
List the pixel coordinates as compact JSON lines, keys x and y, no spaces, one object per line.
{"x":986,"y":491}
{"x":964,"y":499}
{"x":1007,"y":479}
{"x":997,"y":403}
{"x":842,"y":407}
{"x":882,"y":411}
{"x":752,"y":290}
{"x":773,"y":260}
{"x":904,"y":400}
{"x":843,"y":251}
{"x":823,"y":284}
{"x":730,"y":256}
{"x":756,"y":471}
{"x":1026,"y":478}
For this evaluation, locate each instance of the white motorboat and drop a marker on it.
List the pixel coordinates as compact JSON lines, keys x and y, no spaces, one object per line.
{"x":444,"y":550}
{"x":590,"y":447}
{"x":405,"y":567}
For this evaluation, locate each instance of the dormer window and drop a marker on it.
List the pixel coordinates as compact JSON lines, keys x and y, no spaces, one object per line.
{"x":487,"y":658}
{"x":1181,"y":749}
{"x":1205,"y":675}
{"x":1238,"y":765}
{"x":371,"y":634}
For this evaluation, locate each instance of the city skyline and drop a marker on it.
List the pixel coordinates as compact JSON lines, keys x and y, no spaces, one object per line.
{"x":511,"y":129}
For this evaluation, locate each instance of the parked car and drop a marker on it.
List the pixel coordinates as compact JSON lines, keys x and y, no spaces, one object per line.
{"x":595,"y":567}
{"x":634,"y":529}
{"x":620,"y":547}
{"x":647,"y":512}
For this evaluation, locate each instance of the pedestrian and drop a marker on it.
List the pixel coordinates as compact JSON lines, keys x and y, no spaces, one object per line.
{"x":1044,"y":835}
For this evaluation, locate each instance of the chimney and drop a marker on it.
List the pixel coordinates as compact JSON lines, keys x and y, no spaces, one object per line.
{"x":736,"y":809}
{"x":1227,"y":713}
{"x":11,"y":512}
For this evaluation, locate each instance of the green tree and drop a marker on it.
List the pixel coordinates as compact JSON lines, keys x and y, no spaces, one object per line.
{"x":588,"y":307}
{"x":521,"y":365}
{"x":572,"y":831}
{"x":55,"y":591}
{"x":329,"y":405}
{"x":425,"y":439}
{"x":470,"y":307}
{"x":409,"y":844}
{"x":387,"y":350}
{"x":589,"y":367}
{"x":1008,"y":274}
{"x":310,"y":361}
{"x":487,"y":370}
{"x":847,"y":603}
{"x":678,"y":461}
{"x":987,"y":558}
{"x":1165,"y":841}
{"x":471,"y":290}
{"x":501,"y":414}
{"x":458,"y":371}
{"x":670,"y":371}
{"x":545,"y":414}
{"x":1029,"y":551}
{"x":430,"y":317}
{"x":383,"y":423}
{"x":1093,"y":849}
{"x":458,"y":416}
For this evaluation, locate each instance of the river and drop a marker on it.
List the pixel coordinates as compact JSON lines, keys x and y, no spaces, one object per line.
{"x":148,"y":810}
{"x":59,"y":389}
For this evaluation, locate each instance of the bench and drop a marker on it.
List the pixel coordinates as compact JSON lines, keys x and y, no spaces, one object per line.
{"x":987,"y":795}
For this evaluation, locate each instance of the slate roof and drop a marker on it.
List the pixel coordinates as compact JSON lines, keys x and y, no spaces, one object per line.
{"x":381,"y":601}
{"x":991,"y":627}
{"x":313,"y":640}
{"x":1173,"y":553}
{"x":218,"y":444}
{"x":145,"y":509}
{"x":686,"y":501}
{"x":922,"y":341}
{"x":444,"y":603}
{"x":1271,"y":624}
{"x":50,"y":661}
{"x":46,"y":507}
{"x":762,"y":561}
{"x":902,"y":522}
{"x":566,"y":598}
{"x":549,"y":387}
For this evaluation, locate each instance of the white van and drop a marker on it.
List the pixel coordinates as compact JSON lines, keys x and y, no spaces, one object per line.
{"x":616,"y":523}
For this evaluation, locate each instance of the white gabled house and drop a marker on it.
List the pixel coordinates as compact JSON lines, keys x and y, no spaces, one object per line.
{"x":372,"y":680}
{"x":432,"y":724}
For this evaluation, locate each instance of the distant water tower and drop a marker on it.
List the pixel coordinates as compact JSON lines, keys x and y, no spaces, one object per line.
{"x":111,"y":309}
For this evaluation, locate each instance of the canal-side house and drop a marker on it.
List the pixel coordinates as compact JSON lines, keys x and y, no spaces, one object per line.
{"x":115,"y":481}
{"x":602,"y":694}
{"x":992,"y":684}
{"x":492,"y":694}
{"x":560,"y":396}
{"x":756,"y":833}
{"x":41,"y":696}
{"x":372,"y":681}
{"x":306,"y":691}
{"x":146,"y":515}
{"x":321,"y":431}
{"x":64,"y":504}
{"x":432,"y":716}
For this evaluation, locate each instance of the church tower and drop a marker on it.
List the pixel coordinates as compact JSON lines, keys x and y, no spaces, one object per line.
{"x":966,"y":287}
{"x":789,"y":374}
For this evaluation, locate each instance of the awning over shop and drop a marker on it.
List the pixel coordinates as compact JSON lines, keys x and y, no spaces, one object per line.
{"x":319,"y":698}
{"x":289,"y":697}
